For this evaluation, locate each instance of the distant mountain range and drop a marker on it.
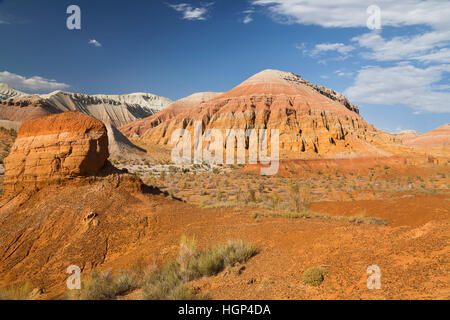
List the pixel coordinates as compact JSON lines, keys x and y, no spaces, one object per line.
{"x":7,"y":92}
{"x":438,"y":138}
{"x":113,"y":110}
{"x":116,"y":110}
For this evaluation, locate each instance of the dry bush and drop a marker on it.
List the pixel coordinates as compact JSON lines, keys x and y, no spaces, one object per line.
{"x":275,"y":200}
{"x":104,"y":286}
{"x":188,"y":251}
{"x":215,"y":259}
{"x":167,"y":283}
{"x":299,"y":197}
{"x":171,"y":281}
{"x":251,"y":196}
{"x":314,"y":276}
{"x":19,"y":291}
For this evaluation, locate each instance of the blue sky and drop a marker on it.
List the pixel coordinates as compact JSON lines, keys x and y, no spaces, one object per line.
{"x":398,"y":75}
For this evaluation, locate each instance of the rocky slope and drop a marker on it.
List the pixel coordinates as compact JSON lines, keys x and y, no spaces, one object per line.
{"x":139,"y":127}
{"x":7,"y":92}
{"x":26,"y":108}
{"x":313,"y":121}
{"x":7,"y":137}
{"x":120,"y":148}
{"x":101,"y":218}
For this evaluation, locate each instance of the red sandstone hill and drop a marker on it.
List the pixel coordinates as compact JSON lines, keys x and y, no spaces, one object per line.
{"x":313,"y":121}
{"x":139,"y":127}
{"x":438,"y":138}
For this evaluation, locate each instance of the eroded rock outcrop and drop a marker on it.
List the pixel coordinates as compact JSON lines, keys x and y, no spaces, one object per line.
{"x":55,"y":148}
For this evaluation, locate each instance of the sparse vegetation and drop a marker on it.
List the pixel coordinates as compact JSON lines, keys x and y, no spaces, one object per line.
{"x":104,"y":286}
{"x":167,"y":283}
{"x":314,"y":276}
{"x":20,"y":291}
{"x":251,"y":196}
{"x":307,"y":214}
{"x":300,"y":197}
{"x":171,"y":281}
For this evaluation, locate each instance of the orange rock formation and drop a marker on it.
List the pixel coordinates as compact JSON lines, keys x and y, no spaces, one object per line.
{"x":139,"y":127}
{"x":313,"y":121}
{"x":55,"y":148}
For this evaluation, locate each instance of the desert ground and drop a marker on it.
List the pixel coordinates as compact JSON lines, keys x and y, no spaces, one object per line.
{"x":79,"y":189}
{"x":353,"y":214}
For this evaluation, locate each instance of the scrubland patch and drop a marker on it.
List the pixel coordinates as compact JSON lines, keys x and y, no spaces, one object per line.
{"x":104,"y":286}
{"x":19,"y":291}
{"x":314,"y":276}
{"x":169,"y":282}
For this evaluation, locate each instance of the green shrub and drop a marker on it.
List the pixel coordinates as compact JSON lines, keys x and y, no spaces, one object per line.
{"x":297,"y":215}
{"x":314,"y":276}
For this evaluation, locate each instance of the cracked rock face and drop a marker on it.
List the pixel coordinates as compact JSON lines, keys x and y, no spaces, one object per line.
{"x":55,"y":148}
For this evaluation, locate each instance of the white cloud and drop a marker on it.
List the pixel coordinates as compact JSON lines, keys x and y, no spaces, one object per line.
{"x":248,"y":16}
{"x":352,"y":13}
{"x":403,"y":84}
{"x":95,"y":43}
{"x":338,"y":47}
{"x":320,"y":49}
{"x":423,"y":47}
{"x":341,"y":73}
{"x":418,"y":61}
{"x":247,"y":19}
{"x":442,"y":55}
{"x":35,"y":83}
{"x":192,"y":13}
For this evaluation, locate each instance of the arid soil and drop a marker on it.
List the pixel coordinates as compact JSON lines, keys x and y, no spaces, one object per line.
{"x":133,"y":228}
